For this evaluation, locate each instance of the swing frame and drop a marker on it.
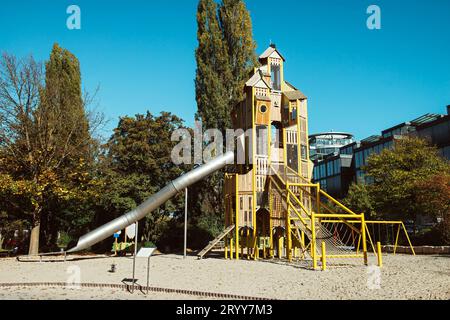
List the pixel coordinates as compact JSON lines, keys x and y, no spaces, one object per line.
{"x":400,"y":225}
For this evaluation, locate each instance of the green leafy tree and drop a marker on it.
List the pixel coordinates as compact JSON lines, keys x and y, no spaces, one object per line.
{"x":358,"y":199}
{"x":44,"y":141}
{"x":224,"y":56}
{"x":137,"y":164}
{"x":405,"y":183}
{"x":238,"y":37}
{"x":213,"y":70}
{"x":397,"y":172}
{"x":433,"y":198}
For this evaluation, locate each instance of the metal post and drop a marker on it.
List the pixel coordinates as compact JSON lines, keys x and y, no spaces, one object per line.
{"x":135,"y":252}
{"x":148,"y":273}
{"x":380,"y":256}
{"x":236,"y":222}
{"x":185,"y":221}
{"x":363,"y":238}
{"x":324,"y":257}
{"x":396,"y":239}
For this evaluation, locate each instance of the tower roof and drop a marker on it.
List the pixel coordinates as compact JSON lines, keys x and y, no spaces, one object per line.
{"x":269,"y":52}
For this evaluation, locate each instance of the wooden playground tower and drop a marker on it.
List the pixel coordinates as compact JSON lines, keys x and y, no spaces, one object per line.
{"x":272,"y":208}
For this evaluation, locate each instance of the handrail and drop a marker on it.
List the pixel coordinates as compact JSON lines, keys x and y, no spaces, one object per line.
{"x":298,"y":214}
{"x":276,"y":185}
{"x":298,"y":201}
{"x":296,"y":173}
{"x":336,"y":202}
{"x":279,"y":177}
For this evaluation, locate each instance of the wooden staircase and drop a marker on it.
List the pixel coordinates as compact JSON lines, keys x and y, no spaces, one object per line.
{"x":214,"y":242}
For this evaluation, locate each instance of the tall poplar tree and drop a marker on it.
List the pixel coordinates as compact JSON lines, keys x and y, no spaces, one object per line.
{"x":238,"y":37}
{"x":224,"y":56}
{"x":212,"y":69}
{"x":62,"y":98}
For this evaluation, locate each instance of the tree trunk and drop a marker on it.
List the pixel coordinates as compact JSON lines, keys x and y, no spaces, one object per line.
{"x":34,"y":237}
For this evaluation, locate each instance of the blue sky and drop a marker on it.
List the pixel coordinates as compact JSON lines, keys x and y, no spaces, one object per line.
{"x":141,"y":54}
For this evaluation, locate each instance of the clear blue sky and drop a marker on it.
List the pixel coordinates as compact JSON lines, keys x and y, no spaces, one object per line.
{"x":141,"y":53}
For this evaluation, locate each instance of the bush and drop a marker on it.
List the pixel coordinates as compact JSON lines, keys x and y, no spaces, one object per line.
{"x":63,"y":240}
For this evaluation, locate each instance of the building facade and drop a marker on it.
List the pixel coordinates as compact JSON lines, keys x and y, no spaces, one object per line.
{"x":338,"y":170}
{"x":323,"y":144}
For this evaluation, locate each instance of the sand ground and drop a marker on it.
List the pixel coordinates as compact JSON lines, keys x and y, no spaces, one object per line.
{"x":402,"y":277}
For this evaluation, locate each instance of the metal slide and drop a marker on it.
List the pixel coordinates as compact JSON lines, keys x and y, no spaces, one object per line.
{"x":156,"y":200}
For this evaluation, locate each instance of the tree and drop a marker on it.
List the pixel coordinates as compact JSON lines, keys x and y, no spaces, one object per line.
{"x":238,"y":37}
{"x":397,"y":172}
{"x":407,"y":181}
{"x":44,"y":138}
{"x":433,"y":198}
{"x":358,"y":198}
{"x":224,"y":56}
{"x":137,"y":163}
{"x":213,"y":69}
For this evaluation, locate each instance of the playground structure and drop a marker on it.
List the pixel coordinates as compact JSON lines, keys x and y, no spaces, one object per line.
{"x":272,"y":208}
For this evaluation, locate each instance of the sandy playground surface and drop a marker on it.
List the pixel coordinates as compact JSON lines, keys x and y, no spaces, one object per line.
{"x":402,"y":277}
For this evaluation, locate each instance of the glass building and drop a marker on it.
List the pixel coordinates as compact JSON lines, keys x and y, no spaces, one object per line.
{"x":336,"y":170}
{"x":323,"y":144}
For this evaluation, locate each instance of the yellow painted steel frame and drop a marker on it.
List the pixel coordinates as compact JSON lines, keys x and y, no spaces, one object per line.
{"x":400,"y":224}
{"x":237,"y":216}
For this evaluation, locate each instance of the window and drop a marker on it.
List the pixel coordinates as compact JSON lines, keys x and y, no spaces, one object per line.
{"x":261,"y":141}
{"x":358,"y":159}
{"x":276,"y":78}
{"x":276,"y":137}
{"x":294,"y":114}
{"x":337,"y":167}
{"x":330,"y":170}
{"x":303,"y":152}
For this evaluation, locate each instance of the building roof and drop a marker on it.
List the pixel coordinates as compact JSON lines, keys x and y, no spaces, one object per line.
{"x":269,"y":52}
{"x":262,"y":98}
{"x":294,"y":95}
{"x":426,"y":118}
{"x":371,"y":139}
{"x":331,"y":133}
{"x":256,"y":78}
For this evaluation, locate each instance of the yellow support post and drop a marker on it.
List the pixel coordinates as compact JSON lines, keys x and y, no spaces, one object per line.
{"x":407,"y":237}
{"x":303,"y":244}
{"x":379,"y":254}
{"x":363,"y":238}
{"x":280,"y":247}
{"x":318,"y":197}
{"x":242,"y":247}
{"x":359,"y":244}
{"x":313,"y":240}
{"x":288,"y":230}
{"x":231,"y":248}
{"x":226,"y":248}
{"x":270,"y":220}
{"x":324,"y":257}
{"x":247,"y":243}
{"x":237,"y":217}
{"x":396,"y":239}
